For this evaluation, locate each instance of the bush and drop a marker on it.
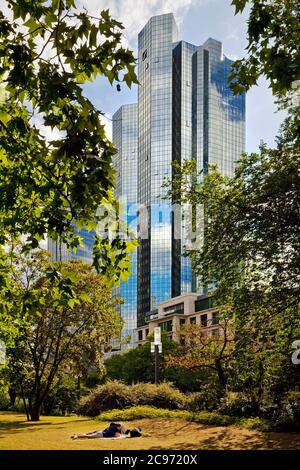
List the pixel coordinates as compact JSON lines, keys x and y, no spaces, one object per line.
{"x":111,"y":395}
{"x":216,"y":419}
{"x":62,"y":399}
{"x":207,"y":400}
{"x":289,"y":417}
{"x":236,"y":404}
{"x":163,"y":395}
{"x":255,"y":423}
{"x":141,"y":412}
{"x":4,"y":400}
{"x":203,"y":417}
{"x":116,"y":395}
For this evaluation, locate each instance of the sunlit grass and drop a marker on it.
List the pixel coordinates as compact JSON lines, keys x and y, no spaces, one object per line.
{"x":53,"y":433}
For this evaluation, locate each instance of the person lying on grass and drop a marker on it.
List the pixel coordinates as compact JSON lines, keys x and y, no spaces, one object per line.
{"x":115,"y":430}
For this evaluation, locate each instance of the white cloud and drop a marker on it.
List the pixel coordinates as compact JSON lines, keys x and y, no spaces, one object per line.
{"x":134,"y":14}
{"x":107,"y":121}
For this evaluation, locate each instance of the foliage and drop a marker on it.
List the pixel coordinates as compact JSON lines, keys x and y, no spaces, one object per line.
{"x":289,"y":417}
{"x":111,"y":395}
{"x":208,"y":399}
{"x":62,"y":398}
{"x":200,"y":350}
{"x":137,"y":365}
{"x":273,"y":45}
{"x":236,"y":404}
{"x":256,"y":423}
{"x":65,"y":320}
{"x":116,"y":395}
{"x":4,"y":399}
{"x":213,"y":418}
{"x":251,"y":252}
{"x":48,"y":186}
{"x":141,"y":412}
{"x":162,"y":395}
{"x":187,"y":380}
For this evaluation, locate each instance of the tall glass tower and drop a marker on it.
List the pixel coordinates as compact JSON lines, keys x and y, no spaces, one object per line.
{"x":59,"y":251}
{"x":125,"y":137}
{"x":185,"y":110}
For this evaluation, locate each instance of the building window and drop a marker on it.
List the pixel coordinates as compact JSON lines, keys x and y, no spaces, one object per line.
{"x":147,"y":332}
{"x":141,"y":335}
{"x":181,"y":322}
{"x":204,"y":320}
{"x":144,"y":55}
{"x":215,"y":318}
{"x":166,"y":326}
{"x":215,"y":333}
{"x":203,"y":304}
{"x":178,"y":308}
{"x":193,"y":321}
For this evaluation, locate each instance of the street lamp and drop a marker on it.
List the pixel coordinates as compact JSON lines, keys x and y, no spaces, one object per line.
{"x":156,"y":348}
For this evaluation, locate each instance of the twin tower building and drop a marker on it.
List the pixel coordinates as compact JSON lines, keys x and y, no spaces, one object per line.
{"x":185,"y":110}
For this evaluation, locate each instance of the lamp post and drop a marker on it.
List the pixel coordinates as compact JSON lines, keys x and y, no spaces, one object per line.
{"x":156,"y":348}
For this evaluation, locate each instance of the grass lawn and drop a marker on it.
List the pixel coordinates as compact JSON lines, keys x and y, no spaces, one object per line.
{"x":53,"y":433}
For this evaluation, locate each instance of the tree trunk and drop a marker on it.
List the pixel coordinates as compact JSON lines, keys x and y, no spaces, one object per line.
{"x":24,"y":403}
{"x":221,"y":374}
{"x":12,"y":397}
{"x":35,"y":411}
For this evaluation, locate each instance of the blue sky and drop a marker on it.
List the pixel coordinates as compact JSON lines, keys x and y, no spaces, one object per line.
{"x":197,"y":20}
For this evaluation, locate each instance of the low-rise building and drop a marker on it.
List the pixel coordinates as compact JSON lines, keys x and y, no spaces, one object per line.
{"x":174,"y":313}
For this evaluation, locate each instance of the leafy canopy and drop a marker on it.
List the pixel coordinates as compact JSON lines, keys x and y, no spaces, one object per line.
{"x":66,"y":318}
{"x":47,"y":186}
{"x":273,"y":45}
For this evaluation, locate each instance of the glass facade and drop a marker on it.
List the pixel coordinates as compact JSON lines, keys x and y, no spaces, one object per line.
{"x":125,"y":137}
{"x":59,"y":251}
{"x":185,"y":110}
{"x":155,"y":45}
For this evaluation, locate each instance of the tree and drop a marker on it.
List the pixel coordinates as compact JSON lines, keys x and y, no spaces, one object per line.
{"x":273,"y":45}
{"x":62,"y":328}
{"x":47,"y":187}
{"x":251,"y":245}
{"x":200,"y":350}
{"x":137,"y":365}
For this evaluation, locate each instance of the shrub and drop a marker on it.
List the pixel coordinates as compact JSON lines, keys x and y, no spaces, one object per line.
{"x":111,"y":395}
{"x":236,"y":404}
{"x":203,"y":417}
{"x":206,"y":417}
{"x":289,"y":417}
{"x":62,"y":399}
{"x":4,"y":400}
{"x":116,"y":395}
{"x":163,"y":395}
{"x":207,"y":400}
{"x":291,"y":404}
{"x":141,"y":412}
{"x":255,"y":423}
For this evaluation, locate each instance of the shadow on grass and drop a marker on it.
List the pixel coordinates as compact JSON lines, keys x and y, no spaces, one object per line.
{"x":224,"y":441}
{"x":20,"y":425}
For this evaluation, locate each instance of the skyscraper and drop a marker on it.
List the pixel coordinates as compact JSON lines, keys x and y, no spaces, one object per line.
{"x":59,"y":251}
{"x":125,"y":137}
{"x":185,"y":110}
